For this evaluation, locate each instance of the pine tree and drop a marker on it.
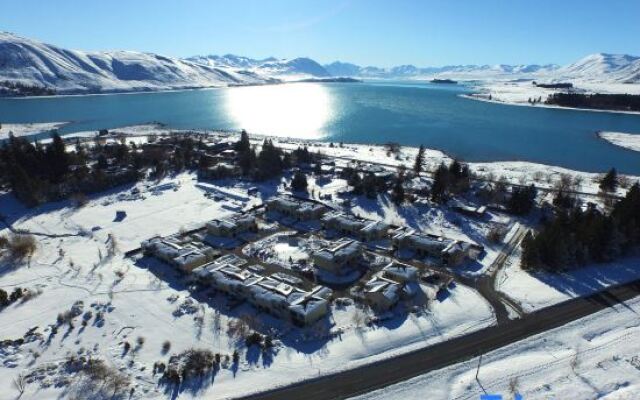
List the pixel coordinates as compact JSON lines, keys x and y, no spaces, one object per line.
{"x":243,"y":145}
{"x":299,"y":182}
{"x":417,"y":166}
{"x":440,"y":184}
{"x":397,"y":194}
{"x":609,"y":182}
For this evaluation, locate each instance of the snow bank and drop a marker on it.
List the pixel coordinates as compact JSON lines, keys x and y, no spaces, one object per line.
{"x":594,"y":357}
{"x":629,"y":141}
{"x":28,"y":128}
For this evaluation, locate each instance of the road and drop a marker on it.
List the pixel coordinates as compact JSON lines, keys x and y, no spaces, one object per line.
{"x":387,"y":372}
{"x":503,"y":306}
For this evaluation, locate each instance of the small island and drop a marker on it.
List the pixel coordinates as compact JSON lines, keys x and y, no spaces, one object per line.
{"x":331,"y":80}
{"x":445,"y":81}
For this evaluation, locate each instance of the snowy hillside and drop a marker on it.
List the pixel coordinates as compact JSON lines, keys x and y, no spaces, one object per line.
{"x":32,"y":63}
{"x":604,"y":67}
{"x":296,"y":68}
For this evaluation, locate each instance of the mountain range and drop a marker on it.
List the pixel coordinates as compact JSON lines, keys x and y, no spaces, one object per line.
{"x":30,"y":63}
{"x":27,"y":62}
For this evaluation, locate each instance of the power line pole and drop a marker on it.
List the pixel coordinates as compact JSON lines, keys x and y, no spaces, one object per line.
{"x":478,"y":369}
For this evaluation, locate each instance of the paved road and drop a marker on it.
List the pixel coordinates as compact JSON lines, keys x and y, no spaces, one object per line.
{"x":381,"y":374}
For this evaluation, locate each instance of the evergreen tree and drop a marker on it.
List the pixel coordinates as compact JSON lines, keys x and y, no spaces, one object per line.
{"x":440,"y":184}
{"x":609,"y":182}
{"x":243,"y":145}
{"x":397,"y":194}
{"x":299,"y":182}
{"x":417,"y":166}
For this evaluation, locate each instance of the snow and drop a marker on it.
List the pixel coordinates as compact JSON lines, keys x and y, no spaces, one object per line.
{"x":285,"y":69}
{"x":629,"y":141}
{"x":537,"y":290}
{"x":520,"y":92}
{"x":28,"y":129}
{"x":30,"y":62}
{"x":74,"y":262}
{"x":594,"y":357}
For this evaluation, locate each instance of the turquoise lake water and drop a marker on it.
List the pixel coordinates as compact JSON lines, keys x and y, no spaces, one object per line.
{"x":369,"y":112}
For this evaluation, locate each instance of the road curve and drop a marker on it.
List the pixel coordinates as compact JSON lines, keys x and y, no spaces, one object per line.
{"x":387,"y":372}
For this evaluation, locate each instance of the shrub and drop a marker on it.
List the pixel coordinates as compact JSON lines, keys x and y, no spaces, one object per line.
{"x":4,"y":298}
{"x":166,"y":346}
{"x":496,"y":234}
{"x":21,"y":246}
{"x":16,"y":295}
{"x":254,"y":338}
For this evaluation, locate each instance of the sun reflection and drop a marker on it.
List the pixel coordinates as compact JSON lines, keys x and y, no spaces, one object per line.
{"x":299,"y":110}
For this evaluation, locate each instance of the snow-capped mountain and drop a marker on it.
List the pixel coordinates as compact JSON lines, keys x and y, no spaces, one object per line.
{"x":621,"y":68}
{"x":295,"y":68}
{"x":29,"y":62}
{"x":462,"y":71}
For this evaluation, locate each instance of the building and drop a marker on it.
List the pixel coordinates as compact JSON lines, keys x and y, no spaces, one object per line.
{"x":400,"y":272}
{"x":469,"y":210}
{"x":179,"y":252}
{"x":348,"y":224}
{"x":447,"y":251}
{"x":381,"y":293}
{"x":337,"y":257}
{"x":232,"y":226}
{"x":272,"y":294}
{"x":295,"y":208}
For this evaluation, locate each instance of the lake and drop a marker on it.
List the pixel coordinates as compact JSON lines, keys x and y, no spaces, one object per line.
{"x":370,"y":112}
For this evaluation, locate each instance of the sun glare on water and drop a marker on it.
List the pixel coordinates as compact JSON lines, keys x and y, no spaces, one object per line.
{"x":299,"y":110}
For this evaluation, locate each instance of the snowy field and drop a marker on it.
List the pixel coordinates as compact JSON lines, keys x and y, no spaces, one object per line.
{"x":537,"y":290}
{"x":28,"y":129}
{"x":596,"y":357}
{"x":627,"y":140}
{"x":520,"y":92}
{"x":80,"y":259}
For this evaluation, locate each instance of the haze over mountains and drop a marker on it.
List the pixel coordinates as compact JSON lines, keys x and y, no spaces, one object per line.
{"x":29,"y":62}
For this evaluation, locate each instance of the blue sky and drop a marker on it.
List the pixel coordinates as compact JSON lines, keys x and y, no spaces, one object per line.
{"x":367,"y":32}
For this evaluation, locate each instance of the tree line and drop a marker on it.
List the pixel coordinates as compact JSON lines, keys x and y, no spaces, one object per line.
{"x":575,"y":237}
{"x":38,"y":173}
{"x":626,"y":102}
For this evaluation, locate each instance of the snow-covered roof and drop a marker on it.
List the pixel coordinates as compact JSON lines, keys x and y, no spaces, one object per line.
{"x":400,"y":271}
{"x":296,"y":205}
{"x":341,"y":249}
{"x":387,"y":287}
{"x":233,"y":222}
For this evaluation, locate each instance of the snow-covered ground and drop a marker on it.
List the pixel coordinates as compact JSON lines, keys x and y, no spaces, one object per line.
{"x":141,"y":300}
{"x":596,"y":357}
{"x":521,"y":92}
{"x":28,"y":129}
{"x":537,"y":290}
{"x":629,"y":141}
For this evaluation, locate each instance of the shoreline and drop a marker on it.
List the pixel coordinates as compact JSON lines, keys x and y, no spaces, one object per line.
{"x":176,"y":90}
{"x":446,"y":156}
{"x":476,"y":96}
{"x":602,"y":136}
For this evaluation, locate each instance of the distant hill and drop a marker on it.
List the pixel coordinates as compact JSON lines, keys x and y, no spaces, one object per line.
{"x":621,"y":68}
{"x":30,"y":63}
{"x":296,"y":68}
